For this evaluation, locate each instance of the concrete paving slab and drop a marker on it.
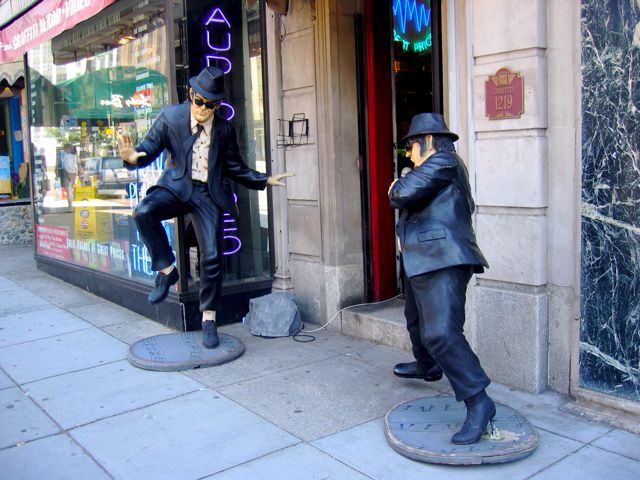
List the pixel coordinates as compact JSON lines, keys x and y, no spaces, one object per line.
{"x":5,"y":381}
{"x":592,"y":463}
{"x":382,"y":356}
{"x":323,"y":397}
{"x":66,"y":353}
{"x":27,"y":326}
{"x":543,"y":411}
{"x":21,"y":420}
{"x":20,"y":300}
{"x":262,"y":356}
{"x":6,"y":284}
{"x":88,"y":395}
{"x":365,"y":449}
{"x":338,"y":343}
{"x":105,"y":313}
{"x":184,"y":438}
{"x":386,"y":358}
{"x":53,"y":458}
{"x":621,"y":442}
{"x":17,"y":258}
{"x":60,"y":293}
{"x":132,"y":331}
{"x":289,"y":464}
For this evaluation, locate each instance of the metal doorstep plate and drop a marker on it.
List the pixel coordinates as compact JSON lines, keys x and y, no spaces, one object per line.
{"x":182,"y":351}
{"x":421,"y":429}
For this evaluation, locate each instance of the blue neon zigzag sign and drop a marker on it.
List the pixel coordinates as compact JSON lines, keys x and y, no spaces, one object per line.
{"x":417,"y":15}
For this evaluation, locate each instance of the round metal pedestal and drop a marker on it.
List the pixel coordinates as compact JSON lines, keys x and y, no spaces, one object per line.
{"x":182,"y":351}
{"x":421,"y":429}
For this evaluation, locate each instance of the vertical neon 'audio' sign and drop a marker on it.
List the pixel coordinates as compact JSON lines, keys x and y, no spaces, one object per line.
{"x":417,"y":16}
{"x":218,"y":42}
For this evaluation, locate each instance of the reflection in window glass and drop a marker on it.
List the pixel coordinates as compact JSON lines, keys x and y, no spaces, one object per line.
{"x":80,"y":98}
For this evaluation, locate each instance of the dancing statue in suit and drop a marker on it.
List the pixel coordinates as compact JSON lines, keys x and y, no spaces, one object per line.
{"x":440,"y":254}
{"x":204,"y":157}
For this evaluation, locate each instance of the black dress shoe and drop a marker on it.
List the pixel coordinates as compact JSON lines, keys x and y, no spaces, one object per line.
{"x":209,"y":334}
{"x":163,"y":284}
{"x":480,"y":412}
{"x":431,"y":373}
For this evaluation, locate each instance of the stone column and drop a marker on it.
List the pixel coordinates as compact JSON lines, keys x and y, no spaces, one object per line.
{"x":511,"y":158}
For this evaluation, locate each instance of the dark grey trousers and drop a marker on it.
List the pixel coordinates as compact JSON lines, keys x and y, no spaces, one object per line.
{"x":434,"y":310}
{"x":160,"y":204}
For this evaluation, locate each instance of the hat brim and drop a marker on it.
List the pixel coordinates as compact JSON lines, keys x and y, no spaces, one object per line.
{"x":445,"y":133}
{"x":202,"y":92}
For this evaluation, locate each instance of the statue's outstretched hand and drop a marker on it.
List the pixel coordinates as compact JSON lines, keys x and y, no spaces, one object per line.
{"x":276,"y":180}
{"x":126,"y":150}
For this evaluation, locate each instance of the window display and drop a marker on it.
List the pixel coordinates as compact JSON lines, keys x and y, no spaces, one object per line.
{"x":84,"y":87}
{"x":88,"y":84}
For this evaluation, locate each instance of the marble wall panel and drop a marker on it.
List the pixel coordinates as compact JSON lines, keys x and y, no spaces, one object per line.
{"x":610,"y":277}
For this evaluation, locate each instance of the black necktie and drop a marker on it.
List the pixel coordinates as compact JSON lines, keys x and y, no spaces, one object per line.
{"x":199,"y":129}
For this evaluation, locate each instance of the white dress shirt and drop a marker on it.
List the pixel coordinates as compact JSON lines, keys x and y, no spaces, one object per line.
{"x":200,"y":150}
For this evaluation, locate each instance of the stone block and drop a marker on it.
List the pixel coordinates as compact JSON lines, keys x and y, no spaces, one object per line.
{"x":533,"y":70}
{"x":506,"y":25}
{"x":515,"y":247}
{"x":298,"y":56}
{"x":305,"y":237}
{"x":512,"y":336}
{"x":512,"y":171}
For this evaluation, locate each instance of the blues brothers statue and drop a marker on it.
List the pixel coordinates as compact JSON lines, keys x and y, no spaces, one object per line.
{"x":204,"y":157}
{"x":440,"y":254}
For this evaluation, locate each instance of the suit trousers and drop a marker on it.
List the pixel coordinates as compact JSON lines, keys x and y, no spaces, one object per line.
{"x":161,"y":204}
{"x":434,"y":310}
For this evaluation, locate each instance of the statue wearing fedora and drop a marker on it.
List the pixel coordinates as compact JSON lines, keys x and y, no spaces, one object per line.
{"x":204,"y":154}
{"x":440,"y":254}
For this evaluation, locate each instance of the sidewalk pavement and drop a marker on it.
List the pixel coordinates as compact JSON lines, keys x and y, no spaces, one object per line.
{"x":72,"y":407}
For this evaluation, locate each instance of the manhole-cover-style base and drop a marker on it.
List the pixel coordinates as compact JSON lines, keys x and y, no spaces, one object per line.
{"x":182,"y":351}
{"x":421,"y":429}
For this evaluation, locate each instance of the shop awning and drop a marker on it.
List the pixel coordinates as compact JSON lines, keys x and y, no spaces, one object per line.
{"x":10,"y":72}
{"x":117,"y":93}
{"x":43,"y":22}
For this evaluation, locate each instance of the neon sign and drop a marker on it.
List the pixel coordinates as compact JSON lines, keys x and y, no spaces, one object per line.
{"x":218,"y":41}
{"x":412,"y":25}
{"x":228,"y":228}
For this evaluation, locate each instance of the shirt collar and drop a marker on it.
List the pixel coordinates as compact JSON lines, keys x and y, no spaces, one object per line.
{"x":207,"y":125}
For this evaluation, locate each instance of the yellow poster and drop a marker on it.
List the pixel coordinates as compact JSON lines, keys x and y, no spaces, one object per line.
{"x":92,"y":223}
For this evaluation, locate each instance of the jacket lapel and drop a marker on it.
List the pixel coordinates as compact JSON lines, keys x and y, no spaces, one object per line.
{"x":216,"y":132}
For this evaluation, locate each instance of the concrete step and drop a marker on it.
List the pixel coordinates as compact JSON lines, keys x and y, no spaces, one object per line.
{"x":382,"y":323}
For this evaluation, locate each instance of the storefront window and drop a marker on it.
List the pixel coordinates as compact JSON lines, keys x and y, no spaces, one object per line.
{"x":110,"y":74}
{"x":106,"y":75}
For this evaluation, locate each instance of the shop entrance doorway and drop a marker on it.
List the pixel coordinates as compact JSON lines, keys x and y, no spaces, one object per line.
{"x":401,"y":75}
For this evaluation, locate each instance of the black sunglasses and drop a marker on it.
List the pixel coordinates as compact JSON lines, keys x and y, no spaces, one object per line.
{"x":410,"y":143}
{"x":207,"y":104}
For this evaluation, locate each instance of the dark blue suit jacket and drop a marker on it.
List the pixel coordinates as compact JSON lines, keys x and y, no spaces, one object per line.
{"x":434,"y":227}
{"x":172,"y":131}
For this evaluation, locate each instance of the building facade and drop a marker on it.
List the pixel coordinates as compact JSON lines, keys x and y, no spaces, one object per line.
{"x":554,"y":179}
{"x":544,"y":95}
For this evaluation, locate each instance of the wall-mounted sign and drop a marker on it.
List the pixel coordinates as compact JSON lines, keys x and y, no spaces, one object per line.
{"x":504,"y":97}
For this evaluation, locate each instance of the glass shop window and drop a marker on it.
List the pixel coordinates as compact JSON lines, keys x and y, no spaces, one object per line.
{"x":105,"y":75}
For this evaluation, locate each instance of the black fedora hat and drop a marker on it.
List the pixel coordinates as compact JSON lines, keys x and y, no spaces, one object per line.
{"x":429,"y":124}
{"x":209,"y":83}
